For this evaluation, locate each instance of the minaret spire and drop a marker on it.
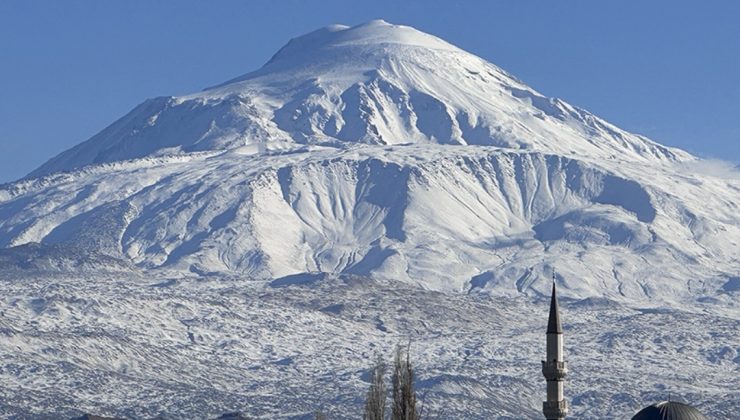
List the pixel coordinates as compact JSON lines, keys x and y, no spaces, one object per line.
{"x":553,"y":322}
{"x":554,"y":367}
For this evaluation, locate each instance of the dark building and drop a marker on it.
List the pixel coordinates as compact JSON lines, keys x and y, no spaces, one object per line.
{"x":669,"y":410}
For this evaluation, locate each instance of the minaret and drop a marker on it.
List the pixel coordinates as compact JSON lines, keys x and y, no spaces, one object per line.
{"x":554,"y":368}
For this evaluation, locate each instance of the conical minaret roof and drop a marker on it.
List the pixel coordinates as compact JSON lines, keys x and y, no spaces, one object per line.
{"x":553,"y":323}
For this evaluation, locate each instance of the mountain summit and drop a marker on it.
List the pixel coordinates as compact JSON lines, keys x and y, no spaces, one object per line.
{"x":374,"y":83}
{"x":382,"y":151}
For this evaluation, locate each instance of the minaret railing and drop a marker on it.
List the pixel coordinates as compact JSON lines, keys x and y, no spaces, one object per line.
{"x":554,"y":370}
{"x":555,"y":409}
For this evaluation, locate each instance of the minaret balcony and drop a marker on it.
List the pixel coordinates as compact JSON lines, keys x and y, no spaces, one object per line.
{"x":555,"y":409}
{"x":554,"y":370}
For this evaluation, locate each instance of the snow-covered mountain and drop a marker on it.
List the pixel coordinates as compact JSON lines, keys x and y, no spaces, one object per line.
{"x":383,"y":151}
{"x":249,"y":247}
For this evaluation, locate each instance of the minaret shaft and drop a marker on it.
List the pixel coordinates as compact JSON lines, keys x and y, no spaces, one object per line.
{"x":554,"y":347}
{"x":555,"y":354}
{"x":554,"y":390}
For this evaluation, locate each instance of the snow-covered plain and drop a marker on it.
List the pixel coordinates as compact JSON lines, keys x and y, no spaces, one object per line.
{"x":250,"y":246}
{"x":196,"y":347}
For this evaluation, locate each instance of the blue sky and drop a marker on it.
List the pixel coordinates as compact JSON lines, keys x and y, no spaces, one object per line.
{"x":669,"y":70}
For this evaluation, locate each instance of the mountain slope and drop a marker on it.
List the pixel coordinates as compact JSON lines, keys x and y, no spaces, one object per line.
{"x":382,"y":151}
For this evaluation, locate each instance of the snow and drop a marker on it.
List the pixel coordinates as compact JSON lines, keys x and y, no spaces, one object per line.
{"x":142,"y":347}
{"x":244,"y":246}
{"x":433,"y":215}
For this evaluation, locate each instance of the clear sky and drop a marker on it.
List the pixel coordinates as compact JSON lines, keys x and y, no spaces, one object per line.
{"x":669,"y":70}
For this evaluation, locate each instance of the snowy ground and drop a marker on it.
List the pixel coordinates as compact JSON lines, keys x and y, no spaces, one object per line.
{"x":145,"y":346}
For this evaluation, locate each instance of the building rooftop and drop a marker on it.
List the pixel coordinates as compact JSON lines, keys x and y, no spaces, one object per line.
{"x":669,"y":410}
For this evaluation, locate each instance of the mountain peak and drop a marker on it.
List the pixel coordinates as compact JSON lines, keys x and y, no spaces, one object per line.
{"x":376,"y":84}
{"x":379,"y":154}
{"x":373,"y":33}
{"x":363,"y":46}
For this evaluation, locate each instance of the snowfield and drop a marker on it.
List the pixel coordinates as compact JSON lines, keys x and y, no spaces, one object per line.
{"x":249,"y":247}
{"x":142,"y":347}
